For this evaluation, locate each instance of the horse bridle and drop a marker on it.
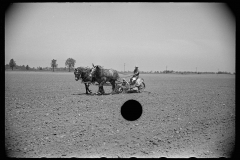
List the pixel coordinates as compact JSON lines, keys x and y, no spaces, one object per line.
{"x":92,"y":70}
{"x":77,"y":71}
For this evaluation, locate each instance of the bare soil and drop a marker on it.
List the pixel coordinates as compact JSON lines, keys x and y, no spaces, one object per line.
{"x":49,"y":115}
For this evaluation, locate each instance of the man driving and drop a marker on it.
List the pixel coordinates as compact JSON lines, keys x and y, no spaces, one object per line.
{"x":135,"y":76}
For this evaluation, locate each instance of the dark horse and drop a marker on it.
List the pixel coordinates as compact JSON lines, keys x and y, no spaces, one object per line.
{"x":83,"y":73}
{"x":102,"y":76}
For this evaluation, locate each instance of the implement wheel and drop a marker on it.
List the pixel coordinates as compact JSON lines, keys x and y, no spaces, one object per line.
{"x":141,"y":87}
{"x":118,"y":89}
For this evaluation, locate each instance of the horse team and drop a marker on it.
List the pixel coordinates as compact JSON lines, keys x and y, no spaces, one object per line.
{"x":97,"y":74}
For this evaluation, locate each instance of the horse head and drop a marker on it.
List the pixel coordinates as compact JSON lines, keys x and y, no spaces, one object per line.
{"x":93,"y":70}
{"x":77,"y":73}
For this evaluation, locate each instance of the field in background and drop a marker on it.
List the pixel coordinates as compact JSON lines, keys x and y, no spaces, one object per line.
{"x":48,"y":114}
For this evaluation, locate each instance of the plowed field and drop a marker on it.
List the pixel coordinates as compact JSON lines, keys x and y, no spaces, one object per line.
{"x":49,"y":115}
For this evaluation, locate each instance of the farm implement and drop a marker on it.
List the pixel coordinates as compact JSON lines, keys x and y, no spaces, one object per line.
{"x":128,"y":87}
{"x":125,"y":86}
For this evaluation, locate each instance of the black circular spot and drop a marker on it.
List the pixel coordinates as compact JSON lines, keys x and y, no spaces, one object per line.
{"x":131,"y":110}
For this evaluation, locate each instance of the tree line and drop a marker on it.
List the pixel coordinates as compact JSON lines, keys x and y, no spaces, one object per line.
{"x":70,"y":63}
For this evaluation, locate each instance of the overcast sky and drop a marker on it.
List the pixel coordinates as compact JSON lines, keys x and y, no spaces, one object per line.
{"x":181,"y":36}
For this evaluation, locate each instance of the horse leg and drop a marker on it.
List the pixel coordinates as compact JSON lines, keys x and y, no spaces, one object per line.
{"x":99,"y":89}
{"x":113,"y":86}
{"x":102,"y":90}
{"x":88,"y":88}
{"x":101,"y":86}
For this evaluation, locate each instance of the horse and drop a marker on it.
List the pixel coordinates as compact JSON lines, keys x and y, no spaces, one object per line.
{"x":83,"y":73}
{"x":102,"y":76}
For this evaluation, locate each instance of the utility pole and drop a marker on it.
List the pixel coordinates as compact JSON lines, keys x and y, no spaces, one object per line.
{"x":124,"y":67}
{"x":196,"y":69}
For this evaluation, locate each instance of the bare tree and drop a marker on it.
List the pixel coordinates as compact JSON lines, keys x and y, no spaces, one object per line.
{"x":54,"y":64}
{"x":12,"y":63}
{"x":27,"y":67}
{"x":70,"y":63}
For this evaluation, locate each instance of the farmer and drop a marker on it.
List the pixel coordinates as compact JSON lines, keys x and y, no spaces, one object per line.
{"x":135,"y":75}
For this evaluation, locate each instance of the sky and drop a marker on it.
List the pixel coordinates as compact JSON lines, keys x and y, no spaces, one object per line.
{"x":152,"y":36}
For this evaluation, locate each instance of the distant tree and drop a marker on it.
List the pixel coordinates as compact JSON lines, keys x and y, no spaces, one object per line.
{"x":23,"y":67}
{"x":27,"y":67}
{"x":39,"y":68}
{"x":54,"y":64}
{"x":70,"y":63}
{"x":12,"y":63}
